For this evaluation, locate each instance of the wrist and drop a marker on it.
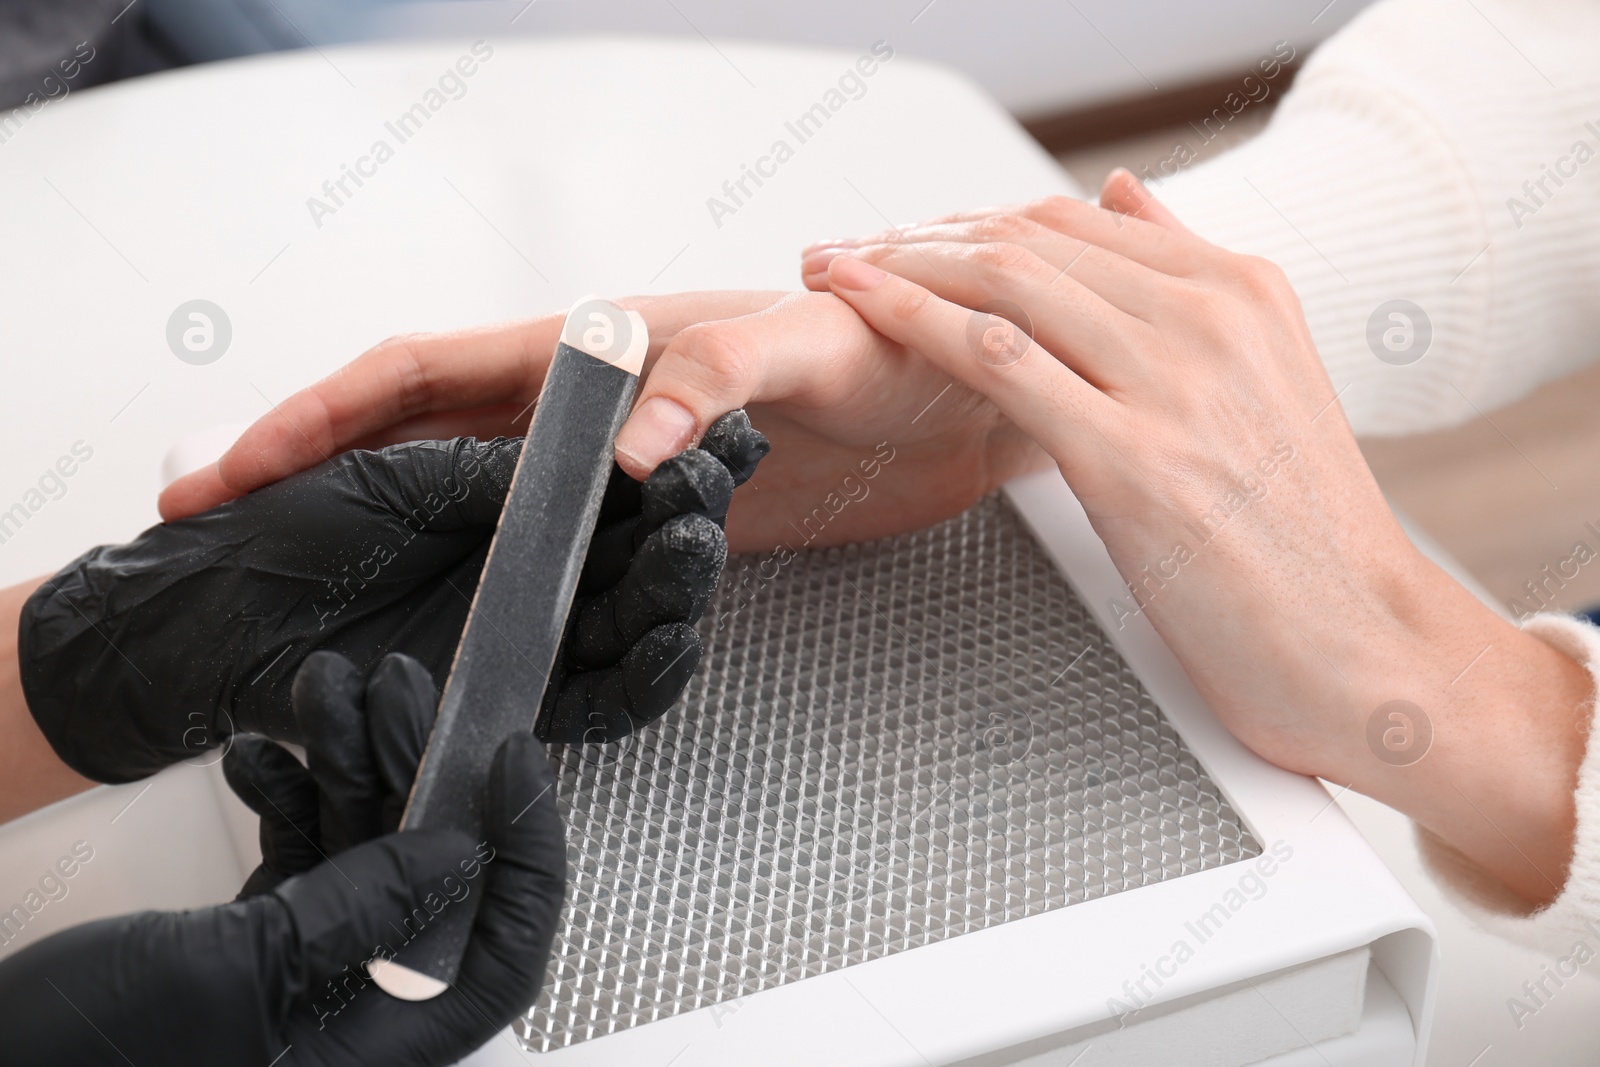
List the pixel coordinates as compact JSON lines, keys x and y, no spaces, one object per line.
{"x":1473,"y":728}
{"x":31,"y":774}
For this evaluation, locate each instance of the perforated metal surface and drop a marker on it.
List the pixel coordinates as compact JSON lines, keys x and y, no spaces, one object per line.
{"x":888,"y":745}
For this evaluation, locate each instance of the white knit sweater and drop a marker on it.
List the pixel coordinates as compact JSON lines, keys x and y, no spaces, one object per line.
{"x":1446,"y":154}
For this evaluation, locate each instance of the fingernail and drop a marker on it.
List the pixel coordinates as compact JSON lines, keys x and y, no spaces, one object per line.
{"x":848,"y":272}
{"x":1133,"y":189}
{"x":816,"y":262}
{"x":831,"y":242}
{"x":660,"y":428}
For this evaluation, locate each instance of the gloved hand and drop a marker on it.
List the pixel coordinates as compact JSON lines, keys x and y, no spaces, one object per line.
{"x":278,"y":977}
{"x":137,"y":656}
{"x":364,"y":738}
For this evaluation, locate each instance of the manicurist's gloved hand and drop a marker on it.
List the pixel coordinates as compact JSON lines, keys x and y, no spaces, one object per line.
{"x":277,"y":977}
{"x":137,"y":656}
{"x":364,"y":738}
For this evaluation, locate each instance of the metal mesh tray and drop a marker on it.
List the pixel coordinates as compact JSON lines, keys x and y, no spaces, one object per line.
{"x":888,"y":744}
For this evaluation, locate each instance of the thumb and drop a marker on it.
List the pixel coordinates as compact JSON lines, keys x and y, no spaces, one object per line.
{"x":439,"y":486}
{"x":525,"y":888}
{"x":360,"y":904}
{"x":712,"y":368}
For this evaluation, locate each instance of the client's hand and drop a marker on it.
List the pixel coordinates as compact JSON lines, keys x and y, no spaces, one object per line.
{"x":278,"y":976}
{"x":868,"y":438}
{"x":1177,"y":388}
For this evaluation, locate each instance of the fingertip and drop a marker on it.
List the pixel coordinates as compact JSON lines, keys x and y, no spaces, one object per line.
{"x":828,"y":242}
{"x":632,"y":466}
{"x":251,"y":760}
{"x":401,"y":680}
{"x":1123,"y":193}
{"x":522,"y":791}
{"x":697,"y":543}
{"x":193,"y":493}
{"x":402,"y":704}
{"x":522,"y":765}
{"x":816,"y":261}
{"x":735,"y":441}
{"x":268,"y":779}
{"x":658,"y":668}
{"x":658,"y":428}
{"x":693,"y":480}
{"x":1114,"y":190}
{"x":323,"y":671}
{"x":849,"y":274}
{"x":327,"y":698}
{"x":1127,"y":195}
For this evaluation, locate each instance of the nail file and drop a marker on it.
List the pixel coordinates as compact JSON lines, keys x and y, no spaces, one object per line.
{"x":520,"y":610}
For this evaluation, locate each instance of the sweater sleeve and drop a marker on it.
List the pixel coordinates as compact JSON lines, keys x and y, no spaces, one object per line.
{"x":1439,"y":153}
{"x":1575,"y":914}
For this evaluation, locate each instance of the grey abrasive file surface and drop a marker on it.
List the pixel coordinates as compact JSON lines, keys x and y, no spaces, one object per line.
{"x":519,"y":614}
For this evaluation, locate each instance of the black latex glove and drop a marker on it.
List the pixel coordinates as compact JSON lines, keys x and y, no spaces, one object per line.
{"x":139,"y":655}
{"x":278,"y":978}
{"x":364,"y":738}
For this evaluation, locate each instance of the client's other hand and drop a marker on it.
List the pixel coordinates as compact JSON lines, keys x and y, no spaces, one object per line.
{"x":1177,"y":388}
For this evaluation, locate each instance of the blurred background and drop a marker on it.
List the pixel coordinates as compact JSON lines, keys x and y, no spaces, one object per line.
{"x":1014,"y":48}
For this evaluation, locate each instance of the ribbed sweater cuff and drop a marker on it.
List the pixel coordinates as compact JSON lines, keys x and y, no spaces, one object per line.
{"x":1393,"y":171}
{"x":1575,"y":914}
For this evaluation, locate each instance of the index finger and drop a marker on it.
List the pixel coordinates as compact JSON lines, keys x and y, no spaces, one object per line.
{"x":1151,"y":243}
{"x":401,"y":378}
{"x":809,"y":351}
{"x":485,"y":379}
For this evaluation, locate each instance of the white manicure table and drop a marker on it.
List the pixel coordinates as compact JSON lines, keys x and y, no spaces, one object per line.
{"x":996,"y":863}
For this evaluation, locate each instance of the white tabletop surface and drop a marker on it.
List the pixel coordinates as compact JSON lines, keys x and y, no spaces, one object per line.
{"x":120,"y":204}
